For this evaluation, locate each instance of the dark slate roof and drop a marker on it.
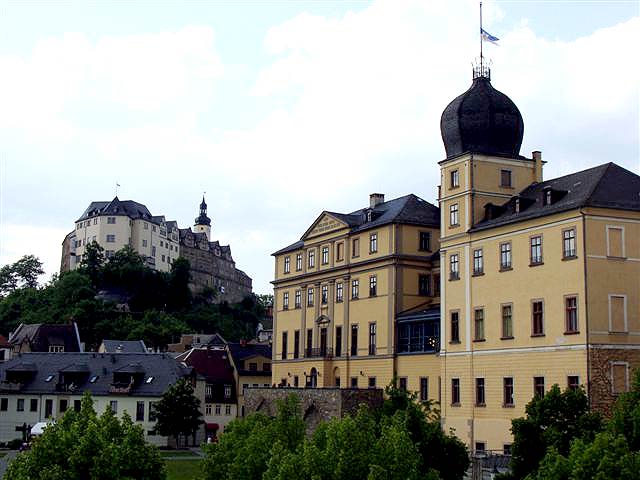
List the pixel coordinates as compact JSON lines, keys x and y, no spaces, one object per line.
{"x":409,"y":209}
{"x":124,"y":346}
{"x":118,"y":207}
{"x":604,"y":186}
{"x":162,"y":367}
{"x":40,"y":336}
{"x":214,"y":365}
{"x":240,"y":351}
{"x":482,"y":120}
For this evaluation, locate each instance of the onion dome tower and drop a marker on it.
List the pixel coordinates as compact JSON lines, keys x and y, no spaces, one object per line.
{"x":203,"y":222}
{"x":482,"y":120}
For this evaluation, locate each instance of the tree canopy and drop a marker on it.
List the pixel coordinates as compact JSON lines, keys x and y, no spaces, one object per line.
{"x":82,"y":445}
{"x":160,"y":305}
{"x":178,"y":412}
{"x":402,"y":441}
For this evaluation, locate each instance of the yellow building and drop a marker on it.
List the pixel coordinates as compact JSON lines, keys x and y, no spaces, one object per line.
{"x":340,"y":289}
{"x":540,"y":283}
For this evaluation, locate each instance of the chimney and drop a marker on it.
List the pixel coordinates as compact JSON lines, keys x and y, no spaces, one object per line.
{"x":537,"y":158}
{"x":376,"y":199}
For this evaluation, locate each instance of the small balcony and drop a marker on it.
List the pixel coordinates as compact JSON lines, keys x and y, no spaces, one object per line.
{"x":322,"y":352}
{"x":120,"y":388}
{"x":10,"y":386}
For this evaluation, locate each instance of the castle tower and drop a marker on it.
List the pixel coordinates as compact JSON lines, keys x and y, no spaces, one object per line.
{"x":203,"y":222}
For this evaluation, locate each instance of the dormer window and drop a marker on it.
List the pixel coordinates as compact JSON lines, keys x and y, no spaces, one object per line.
{"x":93,"y":379}
{"x":149,"y":380}
{"x":516,"y":207}
{"x":546,"y":196}
{"x":369,"y":215}
{"x":49,"y":378}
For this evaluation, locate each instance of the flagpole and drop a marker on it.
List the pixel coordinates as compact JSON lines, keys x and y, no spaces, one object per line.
{"x":481,"y":58}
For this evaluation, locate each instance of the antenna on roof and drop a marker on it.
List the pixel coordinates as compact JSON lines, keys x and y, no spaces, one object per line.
{"x":117,"y":186}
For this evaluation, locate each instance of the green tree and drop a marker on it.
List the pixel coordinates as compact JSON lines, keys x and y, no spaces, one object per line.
{"x":178,"y":412}
{"x":178,"y":294}
{"x":625,"y":419}
{"x":22,"y":274}
{"x":82,"y":446}
{"x":551,"y":421}
{"x":93,"y":263}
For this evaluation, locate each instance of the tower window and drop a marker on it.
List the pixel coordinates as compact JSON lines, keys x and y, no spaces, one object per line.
{"x":505,"y":178}
{"x":287,"y":264}
{"x":455,"y":179}
{"x":425,"y":241}
{"x":454,"y":220}
{"x":298,"y":262}
{"x":454,"y":272}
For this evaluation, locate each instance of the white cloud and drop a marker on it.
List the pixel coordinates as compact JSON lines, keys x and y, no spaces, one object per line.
{"x":362,"y":98}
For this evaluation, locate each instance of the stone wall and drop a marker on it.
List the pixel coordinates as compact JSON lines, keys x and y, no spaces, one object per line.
{"x":600,"y":360}
{"x":318,"y":404}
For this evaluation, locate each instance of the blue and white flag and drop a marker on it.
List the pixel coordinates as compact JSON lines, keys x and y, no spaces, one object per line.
{"x":487,"y":37}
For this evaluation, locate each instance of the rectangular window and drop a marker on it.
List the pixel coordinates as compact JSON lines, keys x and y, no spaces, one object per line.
{"x":218,"y":409}
{"x":373,"y":243}
{"x":454,"y":267}
{"x":298,"y":299}
{"x":296,"y":382}
{"x":425,"y":241}
{"x":538,"y":386}
{"x":152,"y":413}
{"x":208,"y":408}
{"x":355,"y":247}
{"x":4,"y":404}
{"x":33,"y":405}
{"x":424,"y":285}
{"x":153,"y":251}
{"x":402,"y":383}
{"x":478,"y":263}
{"x":227,"y":409}
{"x":372,"y":382}
{"x":337,"y":382}
{"x":617,"y":313}
{"x":284,"y":345}
{"x":455,"y":327}
{"x":372,"y":339}
{"x":63,"y":405}
{"x":505,"y":256}
{"x":354,"y":340}
{"x":311,"y":256}
{"x":455,"y":178}
{"x":339,"y":292}
{"x":77,"y":405}
{"x":355,"y":288}
{"x":144,"y":243}
{"x":507,"y":388}
{"x":478,"y":320}
{"x":324,"y":290}
{"x":111,"y":238}
{"x":507,"y":321}
{"x":113,"y":405}
{"x":424,"y":389}
{"x":537,"y":320}
{"x":505,"y":178}
{"x":373,"y":286}
{"x":339,"y":251}
{"x":253,"y":366}
{"x":453,"y":215}
{"x":455,"y":391}
{"x":140,"y":412}
{"x":323,"y":342}
{"x":615,"y":242}
{"x":569,"y":243}
{"x":338,"y":341}
{"x":354,"y":382}
{"x":48,"y":408}
{"x":325,"y":255}
{"x":536,"y":250}
{"x":480,"y":398}
{"x":298,"y":262}
{"x":573,"y":382}
{"x":310,"y":297}
{"x":227,"y":391}
{"x":309,"y":342}
{"x":287,"y":264}
{"x":436,"y":285}
{"x":619,"y":377}
{"x":20,"y":405}
{"x":111,"y":220}
{"x":571,"y":314}
{"x":285,"y":300}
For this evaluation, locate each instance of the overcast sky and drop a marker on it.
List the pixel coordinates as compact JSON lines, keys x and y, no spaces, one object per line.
{"x":279,"y":110}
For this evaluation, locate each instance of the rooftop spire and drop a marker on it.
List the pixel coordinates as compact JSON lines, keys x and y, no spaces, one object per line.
{"x":203,"y":219}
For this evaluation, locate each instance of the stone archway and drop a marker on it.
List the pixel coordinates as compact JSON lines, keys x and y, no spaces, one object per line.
{"x":336,"y":376}
{"x":313,"y":378}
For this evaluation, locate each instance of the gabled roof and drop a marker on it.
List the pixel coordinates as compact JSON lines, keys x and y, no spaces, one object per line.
{"x":214,"y":365}
{"x":124,"y":346}
{"x":163,"y":368}
{"x":240,"y":351}
{"x":604,"y":186}
{"x":409,"y":209}
{"x":39,"y":336}
{"x":116,"y":206}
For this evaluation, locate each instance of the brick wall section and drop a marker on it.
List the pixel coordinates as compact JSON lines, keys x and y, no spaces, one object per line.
{"x":602,"y":398}
{"x":318,"y":404}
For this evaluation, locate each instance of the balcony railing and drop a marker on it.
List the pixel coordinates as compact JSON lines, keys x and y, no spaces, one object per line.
{"x":428,"y":344}
{"x":322,"y":352}
{"x":10,"y":386}
{"x":121,"y":388}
